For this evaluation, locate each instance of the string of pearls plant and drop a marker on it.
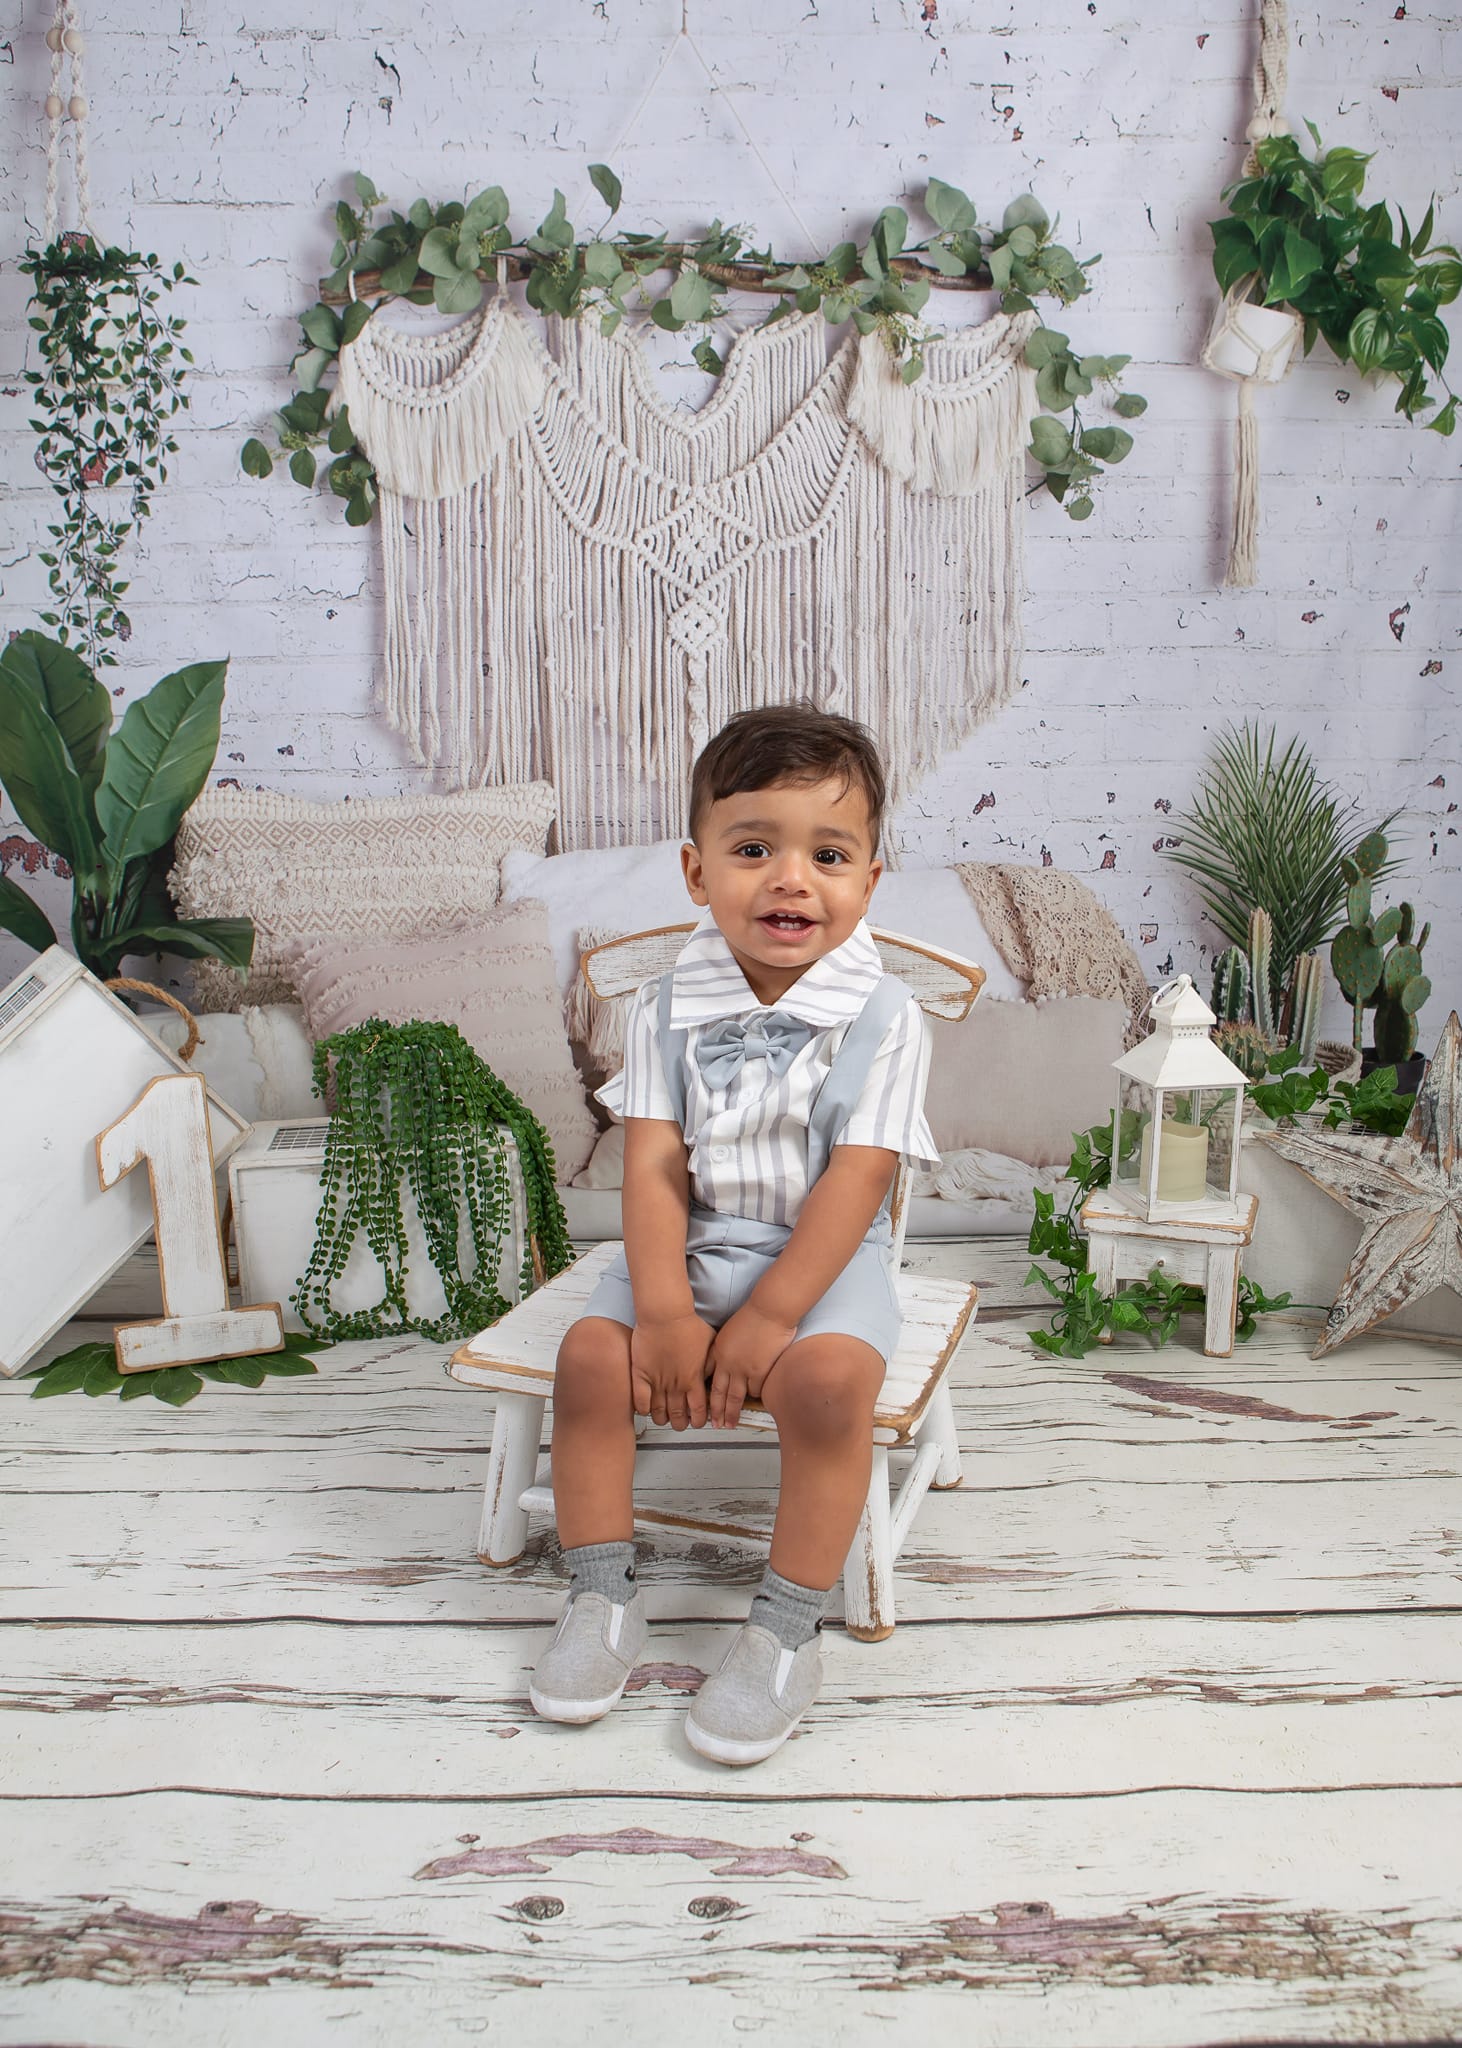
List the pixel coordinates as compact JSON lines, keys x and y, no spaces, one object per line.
{"x":442,"y":255}
{"x":417,"y":1110}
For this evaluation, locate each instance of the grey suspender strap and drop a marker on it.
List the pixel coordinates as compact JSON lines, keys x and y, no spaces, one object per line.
{"x":838,"y":1096}
{"x":672,"y":1048}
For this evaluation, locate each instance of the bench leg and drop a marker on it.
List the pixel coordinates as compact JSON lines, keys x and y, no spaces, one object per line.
{"x":868,"y":1573}
{"x":939,"y":1427}
{"x":517,"y":1427}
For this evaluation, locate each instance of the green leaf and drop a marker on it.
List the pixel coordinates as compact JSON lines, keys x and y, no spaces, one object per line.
{"x":177,"y":1385}
{"x":1026,"y":212}
{"x":342,"y":433}
{"x":302,"y":466}
{"x":705,"y":357}
{"x":230,"y":939}
{"x":311,"y":367}
{"x":355,"y":318}
{"x":890,"y":231}
{"x":487,"y":212}
{"x":1107,"y":444}
{"x":365,"y":191}
{"x":1080,"y":508}
{"x":103,"y":1377}
{"x":18,"y":914}
{"x":691,"y":297}
{"x":420,"y":215}
{"x":1130,"y":406}
{"x":1051,"y":386}
{"x":601,"y":263}
{"x":1050,"y":442}
{"x":438,"y":254}
{"x":1235,"y":253}
{"x":400,"y":276}
{"x":554,"y":228}
{"x":662,"y":314}
{"x":322,"y":328}
{"x":255,"y":459}
{"x":64,"y":1375}
{"x":1044,"y":345}
{"x":1445,"y":422}
{"x":49,"y":797}
{"x":157,"y":761}
{"x":948,"y":207}
{"x":359,"y":510}
{"x":606,"y":185}
{"x":79,"y":706}
{"x":1369,"y":337}
{"x":461,"y":293}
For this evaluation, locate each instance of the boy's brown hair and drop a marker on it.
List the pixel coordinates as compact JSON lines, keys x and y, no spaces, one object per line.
{"x":787,"y":743}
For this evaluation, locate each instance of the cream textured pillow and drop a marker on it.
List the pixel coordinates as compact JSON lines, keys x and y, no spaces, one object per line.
{"x":494,"y":980}
{"x":1019,"y":1078}
{"x":370,"y":867}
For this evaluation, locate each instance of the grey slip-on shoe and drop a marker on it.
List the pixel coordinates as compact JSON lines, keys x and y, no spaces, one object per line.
{"x":589,"y":1658}
{"x":749,"y":1707}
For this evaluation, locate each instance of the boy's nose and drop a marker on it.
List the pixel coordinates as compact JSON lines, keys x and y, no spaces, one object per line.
{"x":791,"y":874}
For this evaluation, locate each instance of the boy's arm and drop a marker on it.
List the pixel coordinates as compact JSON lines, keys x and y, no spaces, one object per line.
{"x":669,"y":1342}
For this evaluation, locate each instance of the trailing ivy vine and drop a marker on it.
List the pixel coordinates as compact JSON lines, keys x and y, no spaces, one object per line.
{"x":109,"y":387}
{"x":417,"y":1111}
{"x":1083,"y":1315}
{"x":441,"y":255}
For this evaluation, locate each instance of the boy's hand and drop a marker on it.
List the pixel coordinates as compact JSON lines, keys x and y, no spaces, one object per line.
{"x":667,"y":1369}
{"x":746,"y":1348}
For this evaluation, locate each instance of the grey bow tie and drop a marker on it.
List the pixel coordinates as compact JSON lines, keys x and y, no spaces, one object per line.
{"x":773,"y":1036}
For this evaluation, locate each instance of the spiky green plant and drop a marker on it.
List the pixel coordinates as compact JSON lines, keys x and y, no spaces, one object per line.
{"x":1246,"y":1045}
{"x":1264,"y":832}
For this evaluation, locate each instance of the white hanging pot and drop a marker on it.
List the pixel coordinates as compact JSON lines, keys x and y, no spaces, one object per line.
{"x":1250,"y":341}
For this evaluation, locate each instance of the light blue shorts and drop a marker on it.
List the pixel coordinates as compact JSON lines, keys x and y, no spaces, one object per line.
{"x":726,"y":1256}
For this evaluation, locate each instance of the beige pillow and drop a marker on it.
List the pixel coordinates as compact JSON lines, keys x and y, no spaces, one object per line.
{"x":372,"y":867}
{"x":494,"y":980}
{"x":1020,"y":1078}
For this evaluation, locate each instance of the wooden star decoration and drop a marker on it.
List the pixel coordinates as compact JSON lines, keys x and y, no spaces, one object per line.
{"x":1406,"y":1190}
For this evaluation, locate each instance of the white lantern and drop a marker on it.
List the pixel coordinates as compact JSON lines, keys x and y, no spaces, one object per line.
{"x":1177,"y":1123}
{"x":1173,"y":1200}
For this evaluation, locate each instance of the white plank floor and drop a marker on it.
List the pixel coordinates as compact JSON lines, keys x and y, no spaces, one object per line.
{"x":1166,"y":1749}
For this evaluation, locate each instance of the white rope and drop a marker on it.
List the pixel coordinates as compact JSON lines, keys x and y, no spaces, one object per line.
{"x":582,"y":581}
{"x":66,"y":44}
{"x":1270,"y":81}
{"x":730,"y":105}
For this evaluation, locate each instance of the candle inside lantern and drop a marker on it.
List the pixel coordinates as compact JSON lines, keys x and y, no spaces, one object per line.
{"x":1182,"y":1164}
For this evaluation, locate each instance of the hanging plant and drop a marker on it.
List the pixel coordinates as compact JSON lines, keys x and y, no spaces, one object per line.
{"x":1298,"y":236}
{"x":442,"y":255}
{"x":417,"y":1110}
{"x":109,"y":387}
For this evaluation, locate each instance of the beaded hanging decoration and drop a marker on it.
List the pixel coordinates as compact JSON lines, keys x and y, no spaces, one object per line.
{"x":417,"y":1109}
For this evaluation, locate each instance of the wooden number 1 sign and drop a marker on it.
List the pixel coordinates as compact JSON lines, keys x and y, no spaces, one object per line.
{"x":168,"y":1127}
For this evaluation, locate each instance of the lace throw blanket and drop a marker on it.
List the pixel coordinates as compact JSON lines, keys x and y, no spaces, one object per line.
{"x":1052,"y":932}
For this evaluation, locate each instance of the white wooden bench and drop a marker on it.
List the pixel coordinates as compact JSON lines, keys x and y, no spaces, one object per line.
{"x":514,"y":1358}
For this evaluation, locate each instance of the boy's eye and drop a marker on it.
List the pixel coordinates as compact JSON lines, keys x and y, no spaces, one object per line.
{"x":753,"y":849}
{"x":829,"y":856}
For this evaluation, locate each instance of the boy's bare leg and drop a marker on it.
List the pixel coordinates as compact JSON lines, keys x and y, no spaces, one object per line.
{"x":822,"y":1392}
{"x":593,"y":1440}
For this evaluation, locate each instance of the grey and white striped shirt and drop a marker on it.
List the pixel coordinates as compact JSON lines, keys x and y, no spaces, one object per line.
{"x":748,"y":1139}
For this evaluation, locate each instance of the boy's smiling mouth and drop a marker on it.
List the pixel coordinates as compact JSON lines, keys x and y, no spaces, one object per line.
{"x":787,"y":924}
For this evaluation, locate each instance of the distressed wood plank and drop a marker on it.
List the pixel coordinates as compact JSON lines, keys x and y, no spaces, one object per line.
{"x":1048,"y":1710}
{"x":1161,"y":1918}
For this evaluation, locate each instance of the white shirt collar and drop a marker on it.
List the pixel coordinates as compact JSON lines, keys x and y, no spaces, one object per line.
{"x":709,"y":985}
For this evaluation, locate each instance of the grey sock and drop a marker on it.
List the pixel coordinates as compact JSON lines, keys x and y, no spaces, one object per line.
{"x":792,"y":1613}
{"x":607,"y":1568}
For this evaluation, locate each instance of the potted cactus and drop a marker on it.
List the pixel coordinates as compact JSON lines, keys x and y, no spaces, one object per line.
{"x":1392,"y":982}
{"x":1253,"y":1021}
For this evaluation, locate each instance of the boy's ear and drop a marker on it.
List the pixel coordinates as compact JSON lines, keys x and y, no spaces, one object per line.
{"x":690,"y":867}
{"x":874,"y":871}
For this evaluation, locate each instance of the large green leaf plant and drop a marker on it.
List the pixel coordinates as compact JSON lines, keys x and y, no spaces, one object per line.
{"x":108,"y":803}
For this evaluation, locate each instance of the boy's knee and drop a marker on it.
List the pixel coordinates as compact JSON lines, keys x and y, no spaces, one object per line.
{"x":825,"y":1387}
{"x":591,"y":1372}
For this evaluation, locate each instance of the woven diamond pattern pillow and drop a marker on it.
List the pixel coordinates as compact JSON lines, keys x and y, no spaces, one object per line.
{"x":370,"y":868}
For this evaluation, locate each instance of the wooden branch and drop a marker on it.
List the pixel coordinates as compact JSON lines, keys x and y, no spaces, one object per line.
{"x":742,"y":277}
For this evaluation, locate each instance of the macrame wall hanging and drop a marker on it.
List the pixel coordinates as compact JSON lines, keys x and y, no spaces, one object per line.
{"x":1254,"y":344}
{"x":582,"y":582}
{"x":65,"y":42}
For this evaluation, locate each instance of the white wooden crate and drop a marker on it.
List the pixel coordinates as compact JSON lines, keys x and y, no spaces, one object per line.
{"x":72,"y":1061}
{"x":274,"y":1179}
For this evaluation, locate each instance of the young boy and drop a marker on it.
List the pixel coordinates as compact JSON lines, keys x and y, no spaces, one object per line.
{"x":771,"y":1082}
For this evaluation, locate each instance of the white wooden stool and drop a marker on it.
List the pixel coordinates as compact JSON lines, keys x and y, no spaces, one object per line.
{"x":1205,"y":1252}
{"x":514,"y":1359}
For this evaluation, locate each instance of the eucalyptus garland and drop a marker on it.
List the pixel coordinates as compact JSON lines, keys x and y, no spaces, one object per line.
{"x":111,"y":383}
{"x":441,"y":256}
{"x":417,"y":1109}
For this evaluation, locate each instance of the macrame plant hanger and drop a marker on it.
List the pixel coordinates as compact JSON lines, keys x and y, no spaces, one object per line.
{"x":1268,"y":363}
{"x":66,"y":44}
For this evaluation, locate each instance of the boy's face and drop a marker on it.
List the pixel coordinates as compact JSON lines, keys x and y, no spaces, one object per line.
{"x":787,"y":871}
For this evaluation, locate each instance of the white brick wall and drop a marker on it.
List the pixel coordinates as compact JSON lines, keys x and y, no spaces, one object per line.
{"x":219,"y":137}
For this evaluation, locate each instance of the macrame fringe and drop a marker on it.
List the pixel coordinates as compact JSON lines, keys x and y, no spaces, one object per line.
{"x":948,"y":433}
{"x":1243,"y":560}
{"x":430,"y":435}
